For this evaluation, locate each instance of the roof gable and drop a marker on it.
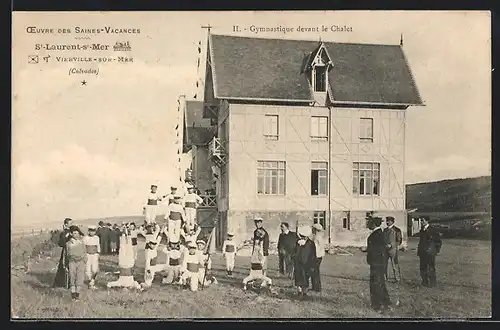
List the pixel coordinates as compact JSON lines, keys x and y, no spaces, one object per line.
{"x":277,"y":70}
{"x":197,"y":130}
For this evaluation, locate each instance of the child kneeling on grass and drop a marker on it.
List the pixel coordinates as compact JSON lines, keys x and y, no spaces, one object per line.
{"x":76,"y":256}
{"x":257,"y":260}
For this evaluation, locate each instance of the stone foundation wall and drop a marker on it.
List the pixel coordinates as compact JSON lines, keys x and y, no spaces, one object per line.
{"x":242,"y":224}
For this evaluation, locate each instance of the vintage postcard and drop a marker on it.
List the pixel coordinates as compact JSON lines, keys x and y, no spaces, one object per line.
{"x":251,"y":165}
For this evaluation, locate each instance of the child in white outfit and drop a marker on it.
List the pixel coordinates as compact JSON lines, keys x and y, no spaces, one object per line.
{"x":229,"y":251}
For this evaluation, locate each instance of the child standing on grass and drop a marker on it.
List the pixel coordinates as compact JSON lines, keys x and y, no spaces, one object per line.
{"x":229,"y":251}
{"x":76,"y":257}
{"x":257,"y":261}
{"x":93,"y":248}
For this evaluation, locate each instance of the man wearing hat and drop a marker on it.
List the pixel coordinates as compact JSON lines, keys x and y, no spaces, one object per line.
{"x":175,"y":217}
{"x":191,"y":202}
{"x":229,"y":251}
{"x":376,"y":257}
{"x":429,"y":245}
{"x":393,"y":239}
{"x":93,"y":248}
{"x":319,"y":242}
{"x":265,"y":241}
{"x":152,"y":204}
{"x":286,"y":248}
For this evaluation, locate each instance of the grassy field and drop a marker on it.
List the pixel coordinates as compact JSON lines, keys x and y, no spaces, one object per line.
{"x":464,"y":290}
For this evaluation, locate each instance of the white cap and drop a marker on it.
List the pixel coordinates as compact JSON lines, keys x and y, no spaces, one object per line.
{"x":192,"y":244}
{"x":189,"y":186}
{"x":200,"y":241}
{"x":230,"y":233}
{"x":92,"y":227}
{"x":304,"y":231}
{"x":257,"y":218}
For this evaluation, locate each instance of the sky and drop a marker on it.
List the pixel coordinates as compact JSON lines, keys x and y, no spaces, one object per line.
{"x":93,"y":151}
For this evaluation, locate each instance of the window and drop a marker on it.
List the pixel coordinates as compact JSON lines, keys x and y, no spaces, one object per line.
{"x":319,"y":78}
{"x":320,"y":217}
{"x":366,"y":130}
{"x":271,"y":127}
{"x":346,"y":222}
{"x":319,"y":128}
{"x":319,"y":178}
{"x":271,"y":178}
{"x":366,"y":179}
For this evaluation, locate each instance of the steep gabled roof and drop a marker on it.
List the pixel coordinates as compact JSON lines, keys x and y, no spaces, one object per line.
{"x":273,"y":69}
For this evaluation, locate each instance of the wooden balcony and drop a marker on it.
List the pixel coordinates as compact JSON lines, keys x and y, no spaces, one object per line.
{"x":209,"y":201}
{"x":217,"y":151}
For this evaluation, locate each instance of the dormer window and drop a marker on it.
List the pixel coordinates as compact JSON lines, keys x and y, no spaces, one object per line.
{"x":319,"y":78}
{"x":319,"y":70}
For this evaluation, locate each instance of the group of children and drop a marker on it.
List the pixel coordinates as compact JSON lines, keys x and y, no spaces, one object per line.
{"x":186,"y":263}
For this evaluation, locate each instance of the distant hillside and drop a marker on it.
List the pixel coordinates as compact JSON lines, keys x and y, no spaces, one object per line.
{"x":458,"y":195}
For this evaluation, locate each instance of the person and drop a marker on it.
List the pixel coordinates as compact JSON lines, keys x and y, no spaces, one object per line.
{"x":286,"y":248}
{"x":152,"y":205}
{"x":191,"y":202}
{"x":190,"y":233}
{"x":114,"y":236}
{"x":376,"y":258}
{"x":229,"y":252}
{"x":175,"y":218}
{"x":93,"y":248}
{"x":257,"y":262}
{"x":429,"y":245}
{"x":153,"y":239}
{"x":393,"y":240}
{"x":190,"y":267}
{"x":103,"y":234}
{"x":133,"y":237}
{"x":319,"y":242}
{"x":76,"y":261}
{"x":110,"y":237}
{"x":126,"y":263}
{"x":169,"y":198}
{"x":174,"y":254}
{"x":305,"y":260}
{"x":204,"y":277}
{"x":61,"y":279}
{"x":265,"y":241}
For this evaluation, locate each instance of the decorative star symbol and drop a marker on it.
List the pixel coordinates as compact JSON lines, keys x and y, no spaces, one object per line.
{"x":84,"y":83}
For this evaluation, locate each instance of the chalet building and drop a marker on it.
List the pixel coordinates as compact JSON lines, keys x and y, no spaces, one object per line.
{"x":303,"y":132}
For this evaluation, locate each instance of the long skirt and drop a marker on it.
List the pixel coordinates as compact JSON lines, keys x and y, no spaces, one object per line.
{"x":302,"y":275}
{"x":62,"y":276}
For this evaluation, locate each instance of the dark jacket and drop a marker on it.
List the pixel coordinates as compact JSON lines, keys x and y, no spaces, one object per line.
{"x":429,"y":242}
{"x":393,"y":239}
{"x":287,"y":242}
{"x":305,"y":261}
{"x":265,"y":242}
{"x":376,"y":248}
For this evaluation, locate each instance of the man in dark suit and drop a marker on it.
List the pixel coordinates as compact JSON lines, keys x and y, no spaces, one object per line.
{"x":376,"y":258}
{"x":286,"y":248}
{"x":429,"y":245}
{"x":265,"y":244}
{"x":393,"y":239}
